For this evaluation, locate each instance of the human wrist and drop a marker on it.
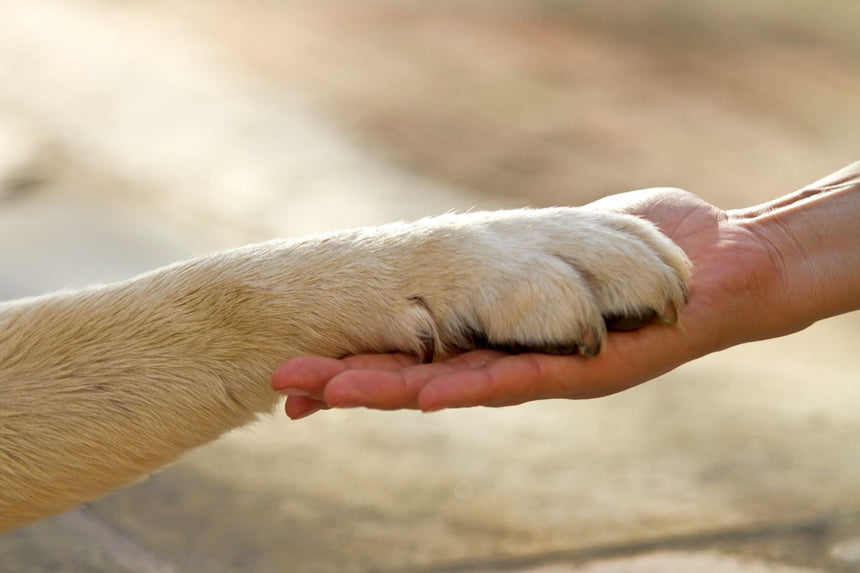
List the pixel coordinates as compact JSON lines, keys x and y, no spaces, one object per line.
{"x":814,"y":240}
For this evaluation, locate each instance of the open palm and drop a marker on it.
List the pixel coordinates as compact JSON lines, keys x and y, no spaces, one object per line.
{"x":730,"y":261}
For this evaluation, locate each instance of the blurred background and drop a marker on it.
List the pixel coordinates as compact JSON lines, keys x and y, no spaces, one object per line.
{"x":136,"y":133}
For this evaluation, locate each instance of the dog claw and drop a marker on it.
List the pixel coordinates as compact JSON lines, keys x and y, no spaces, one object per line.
{"x":590,"y":343}
{"x":624,"y":322}
{"x":428,"y":347}
{"x":669,"y":314}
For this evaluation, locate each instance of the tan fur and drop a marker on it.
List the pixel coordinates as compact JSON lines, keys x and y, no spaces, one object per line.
{"x":98,"y":387}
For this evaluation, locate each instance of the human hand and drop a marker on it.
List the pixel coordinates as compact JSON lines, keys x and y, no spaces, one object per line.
{"x":733,"y":291}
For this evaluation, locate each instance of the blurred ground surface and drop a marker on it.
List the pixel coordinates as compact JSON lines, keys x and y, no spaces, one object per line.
{"x":558,"y":101}
{"x":135,"y":134}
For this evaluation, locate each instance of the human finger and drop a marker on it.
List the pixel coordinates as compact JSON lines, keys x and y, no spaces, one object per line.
{"x":396,"y":387}
{"x":508,"y":380}
{"x":306,"y":376}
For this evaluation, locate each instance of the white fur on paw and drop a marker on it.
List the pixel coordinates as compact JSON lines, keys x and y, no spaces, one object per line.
{"x":547,"y":280}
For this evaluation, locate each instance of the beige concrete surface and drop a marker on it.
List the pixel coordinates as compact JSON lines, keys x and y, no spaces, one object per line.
{"x":194,"y":136}
{"x":128,"y":146}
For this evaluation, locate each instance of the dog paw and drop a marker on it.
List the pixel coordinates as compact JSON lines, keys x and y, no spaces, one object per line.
{"x":545,"y":280}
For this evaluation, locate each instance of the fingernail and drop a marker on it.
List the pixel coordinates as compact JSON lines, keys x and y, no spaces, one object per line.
{"x":307,"y":413}
{"x":294,"y":392}
{"x":431,"y":409}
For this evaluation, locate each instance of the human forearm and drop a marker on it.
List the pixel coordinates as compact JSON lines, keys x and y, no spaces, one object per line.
{"x":814,"y":235}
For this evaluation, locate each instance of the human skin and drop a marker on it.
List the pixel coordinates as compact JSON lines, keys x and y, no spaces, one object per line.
{"x":760,"y":272}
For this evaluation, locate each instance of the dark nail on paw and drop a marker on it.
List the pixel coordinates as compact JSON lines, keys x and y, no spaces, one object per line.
{"x":624,"y":322}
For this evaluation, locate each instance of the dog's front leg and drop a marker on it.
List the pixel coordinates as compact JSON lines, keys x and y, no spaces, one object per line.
{"x":101,"y":386}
